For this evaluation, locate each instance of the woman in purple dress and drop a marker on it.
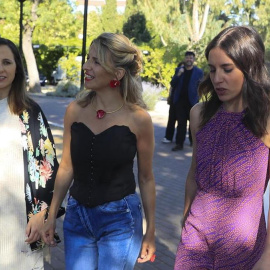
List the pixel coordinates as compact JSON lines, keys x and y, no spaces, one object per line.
{"x":223,"y":221}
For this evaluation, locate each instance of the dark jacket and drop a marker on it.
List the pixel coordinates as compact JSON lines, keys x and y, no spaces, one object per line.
{"x":177,"y":84}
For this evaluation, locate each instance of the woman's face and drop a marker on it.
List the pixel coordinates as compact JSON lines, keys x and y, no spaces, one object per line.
{"x":96,"y":77}
{"x":7,"y":70}
{"x":226,"y":78}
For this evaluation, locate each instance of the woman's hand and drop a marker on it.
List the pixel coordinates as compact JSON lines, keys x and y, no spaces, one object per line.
{"x":180,"y":71}
{"x":47,"y":232}
{"x":148,"y":249}
{"x":34,"y":227}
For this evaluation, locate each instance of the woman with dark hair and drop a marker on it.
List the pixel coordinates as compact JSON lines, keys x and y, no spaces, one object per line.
{"x":105,"y":129}
{"x":28,"y":167}
{"x":223,"y":221}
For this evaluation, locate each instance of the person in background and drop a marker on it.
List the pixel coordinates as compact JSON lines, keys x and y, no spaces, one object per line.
{"x":28,"y":167}
{"x":104,"y":130}
{"x":172,"y":114}
{"x":185,"y":83}
{"x":224,"y":224}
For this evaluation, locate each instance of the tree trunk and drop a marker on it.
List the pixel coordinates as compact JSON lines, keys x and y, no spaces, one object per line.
{"x":204,"y":20}
{"x":195,"y":21}
{"x":164,"y":43}
{"x":31,"y":64}
{"x":197,"y":28}
{"x":34,"y":85}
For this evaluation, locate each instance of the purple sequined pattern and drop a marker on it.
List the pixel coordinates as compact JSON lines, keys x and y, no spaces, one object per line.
{"x":226,"y":228}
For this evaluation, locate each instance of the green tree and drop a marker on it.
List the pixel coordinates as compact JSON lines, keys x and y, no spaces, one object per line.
{"x":111,"y":20}
{"x":156,"y":70}
{"x":27,"y":44}
{"x":71,"y":66}
{"x":47,"y":58}
{"x":44,"y":22}
{"x":94,"y":26}
{"x":57,"y":24}
{"x":9,"y":20}
{"x":131,"y":8}
{"x":135,"y":28}
{"x":164,"y":21}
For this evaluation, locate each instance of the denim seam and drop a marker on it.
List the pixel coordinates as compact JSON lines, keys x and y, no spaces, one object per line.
{"x":133,"y":232}
{"x":85,"y":220}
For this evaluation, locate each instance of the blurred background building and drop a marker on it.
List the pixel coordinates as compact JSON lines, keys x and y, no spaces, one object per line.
{"x":95,"y":5}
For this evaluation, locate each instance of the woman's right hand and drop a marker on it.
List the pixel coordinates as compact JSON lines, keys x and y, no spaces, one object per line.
{"x":180,"y":71}
{"x":47,"y":232}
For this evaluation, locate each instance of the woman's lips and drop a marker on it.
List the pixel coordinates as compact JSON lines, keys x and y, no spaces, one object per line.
{"x":88,"y":77}
{"x":221,"y":91}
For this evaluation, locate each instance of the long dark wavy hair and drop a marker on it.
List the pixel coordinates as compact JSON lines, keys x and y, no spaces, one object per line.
{"x":246,"y":49}
{"x":18,"y":99}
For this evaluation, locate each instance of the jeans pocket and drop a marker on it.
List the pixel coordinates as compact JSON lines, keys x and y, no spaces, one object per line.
{"x":72,"y":203}
{"x":114,"y":207}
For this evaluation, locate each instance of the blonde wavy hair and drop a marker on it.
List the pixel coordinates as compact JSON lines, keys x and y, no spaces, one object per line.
{"x":117,"y":51}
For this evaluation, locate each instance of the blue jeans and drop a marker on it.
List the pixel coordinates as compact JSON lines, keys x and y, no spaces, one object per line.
{"x":105,"y":237}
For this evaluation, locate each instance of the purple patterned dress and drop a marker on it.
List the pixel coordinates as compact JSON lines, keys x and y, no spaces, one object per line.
{"x":225,"y":228}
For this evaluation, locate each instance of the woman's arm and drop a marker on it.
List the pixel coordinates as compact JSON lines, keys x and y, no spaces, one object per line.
{"x":264,"y":262}
{"x":63,"y":180}
{"x":38,"y":196}
{"x":145,"y":150}
{"x":191,"y":186}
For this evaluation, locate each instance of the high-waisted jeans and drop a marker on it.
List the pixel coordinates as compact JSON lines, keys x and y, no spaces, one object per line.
{"x":105,"y":237}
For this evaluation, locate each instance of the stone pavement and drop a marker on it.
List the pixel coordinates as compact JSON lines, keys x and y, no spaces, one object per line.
{"x":170,"y":170}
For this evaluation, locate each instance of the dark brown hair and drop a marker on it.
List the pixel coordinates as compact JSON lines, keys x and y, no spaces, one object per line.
{"x":246,"y":49}
{"x":17,"y":97}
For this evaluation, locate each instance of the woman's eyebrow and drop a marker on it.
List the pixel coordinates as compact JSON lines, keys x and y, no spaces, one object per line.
{"x":223,"y":65}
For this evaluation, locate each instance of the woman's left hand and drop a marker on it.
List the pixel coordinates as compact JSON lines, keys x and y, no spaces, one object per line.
{"x":34,"y":226}
{"x":148,"y":249}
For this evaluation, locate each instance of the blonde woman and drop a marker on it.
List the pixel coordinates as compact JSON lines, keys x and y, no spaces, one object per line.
{"x":105,"y":129}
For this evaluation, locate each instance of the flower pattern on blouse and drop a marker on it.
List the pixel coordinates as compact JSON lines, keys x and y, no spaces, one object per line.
{"x":40,"y":163}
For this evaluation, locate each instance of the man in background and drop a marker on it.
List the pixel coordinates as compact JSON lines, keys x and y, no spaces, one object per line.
{"x":185,"y":84}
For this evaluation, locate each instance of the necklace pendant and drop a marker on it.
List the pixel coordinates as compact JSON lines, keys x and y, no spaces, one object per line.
{"x":100,"y":114}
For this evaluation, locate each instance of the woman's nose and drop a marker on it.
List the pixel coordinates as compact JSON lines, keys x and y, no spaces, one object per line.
{"x":217,"y":77}
{"x":87,"y":65}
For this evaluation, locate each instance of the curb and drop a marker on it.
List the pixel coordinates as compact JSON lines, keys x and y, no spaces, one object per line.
{"x":53,"y":124}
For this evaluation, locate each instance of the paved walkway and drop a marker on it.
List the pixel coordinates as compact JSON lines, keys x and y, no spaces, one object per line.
{"x":170,"y":170}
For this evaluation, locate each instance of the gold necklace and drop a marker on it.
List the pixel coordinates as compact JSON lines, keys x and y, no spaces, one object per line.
{"x":101,"y":113}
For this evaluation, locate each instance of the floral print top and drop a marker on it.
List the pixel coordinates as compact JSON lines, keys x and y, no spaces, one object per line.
{"x":40,"y":163}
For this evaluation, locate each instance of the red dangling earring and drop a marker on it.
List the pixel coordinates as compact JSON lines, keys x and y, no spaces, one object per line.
{"x":114,"y":83}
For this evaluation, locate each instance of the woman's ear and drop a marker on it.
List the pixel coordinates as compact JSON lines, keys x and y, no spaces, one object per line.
{"x":120,"y":73}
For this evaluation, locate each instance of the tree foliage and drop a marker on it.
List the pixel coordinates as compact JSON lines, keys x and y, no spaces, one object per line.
{"x":164,"y":21}
{"x":94,"y":26}
{"x":49,"y":23}
{"x":164,"y":29}
{"x":57,"y":24}
{"x":71,"y":66}
{"x":47,"y":58}
{"x":111,"y":20}
{"x":135,"y":29}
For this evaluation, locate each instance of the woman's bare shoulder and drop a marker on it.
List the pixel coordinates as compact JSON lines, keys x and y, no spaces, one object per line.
{"x":197,"y":108}
{"x":73,"y":107}
{"x":266,"y":137}
{"x":140,"y":120}
{"x":195,"y":116}
{"x":140,"y":115}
